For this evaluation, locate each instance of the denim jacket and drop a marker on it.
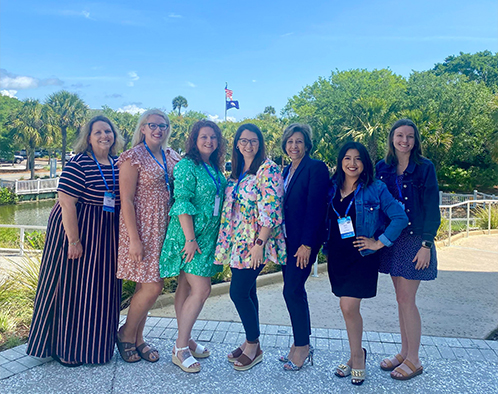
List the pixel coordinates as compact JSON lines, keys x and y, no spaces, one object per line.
{"x":419,"y":193}
{"x":369,"y":203}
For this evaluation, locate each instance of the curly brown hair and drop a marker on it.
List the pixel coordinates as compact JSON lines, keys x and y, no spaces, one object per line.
{"x":218,"y":156}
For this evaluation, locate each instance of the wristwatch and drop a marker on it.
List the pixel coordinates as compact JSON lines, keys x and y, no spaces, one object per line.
{"x":260,"y":242}
{"x":427,"y":244}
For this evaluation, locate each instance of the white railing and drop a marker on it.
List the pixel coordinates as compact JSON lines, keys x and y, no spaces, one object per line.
{"x":21,"y":250}
{"x":36,"y":186}
{"x":453,"y":198}
{"x":448,"y":210}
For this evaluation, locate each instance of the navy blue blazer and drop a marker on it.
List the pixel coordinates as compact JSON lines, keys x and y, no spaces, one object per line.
{"x":305,"y":204}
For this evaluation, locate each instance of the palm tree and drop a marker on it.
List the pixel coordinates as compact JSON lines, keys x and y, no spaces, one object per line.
{"x":70,"y":113}
{"x":179,"y":102}
{"x":31,"y":126}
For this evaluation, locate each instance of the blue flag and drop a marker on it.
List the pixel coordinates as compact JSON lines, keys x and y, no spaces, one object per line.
{"x":232,"y":104}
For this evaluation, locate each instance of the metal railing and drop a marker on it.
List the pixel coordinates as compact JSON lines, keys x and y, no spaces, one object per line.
{"x":453,"y":198}
{"x":22,"y":237}
{"x":467,"y":218}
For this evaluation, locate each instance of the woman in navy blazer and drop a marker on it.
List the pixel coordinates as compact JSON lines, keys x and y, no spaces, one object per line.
{"x":305,"y":207}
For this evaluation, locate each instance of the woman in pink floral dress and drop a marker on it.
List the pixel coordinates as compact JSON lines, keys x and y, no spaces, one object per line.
{"x":144,"y":184}
{"x":250,"y":233}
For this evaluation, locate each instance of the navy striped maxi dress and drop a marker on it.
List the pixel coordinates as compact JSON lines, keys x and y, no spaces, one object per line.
{"x":76,"y":311}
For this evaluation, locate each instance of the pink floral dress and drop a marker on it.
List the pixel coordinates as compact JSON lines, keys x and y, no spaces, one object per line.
{"x":151,"y":210}
{"x":256,"y":204}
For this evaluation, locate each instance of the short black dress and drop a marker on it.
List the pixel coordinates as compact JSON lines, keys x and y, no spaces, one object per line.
{"x":350,"y":273}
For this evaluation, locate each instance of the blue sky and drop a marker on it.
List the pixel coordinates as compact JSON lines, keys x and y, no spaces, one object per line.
{"x":141,"y":54}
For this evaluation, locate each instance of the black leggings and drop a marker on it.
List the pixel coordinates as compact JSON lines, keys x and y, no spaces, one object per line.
{"x":243,"y":295}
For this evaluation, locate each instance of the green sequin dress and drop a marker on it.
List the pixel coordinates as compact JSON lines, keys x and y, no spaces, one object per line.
{"x":194,"y":194}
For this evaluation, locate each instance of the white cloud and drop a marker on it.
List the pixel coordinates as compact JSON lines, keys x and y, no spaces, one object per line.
{"x":217,"y":119}
{"x":173,"y":15}
{"x":254,"y":80}
{"x":9,"y":93}
{"x":134,"y":77}
{"x":84,"y":13}
{"x":191,"y":84}
{"x":18,"y":82}
{"x":287,"y":34}
{"x":132,"y":109}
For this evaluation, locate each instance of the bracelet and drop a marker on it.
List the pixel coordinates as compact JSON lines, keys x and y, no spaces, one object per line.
{"x":190,"y":240}
{"x":74,"y":243}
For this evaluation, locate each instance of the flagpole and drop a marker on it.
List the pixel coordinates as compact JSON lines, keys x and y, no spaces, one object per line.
{"x":226,"y":87}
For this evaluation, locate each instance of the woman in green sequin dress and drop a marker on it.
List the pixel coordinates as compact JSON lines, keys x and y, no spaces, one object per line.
{"x":188,"y":250}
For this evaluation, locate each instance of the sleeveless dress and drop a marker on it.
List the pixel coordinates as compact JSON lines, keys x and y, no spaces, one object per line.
{"x":350,"y":273}
{"x":76,"y":311}
{"x":152,"y":201}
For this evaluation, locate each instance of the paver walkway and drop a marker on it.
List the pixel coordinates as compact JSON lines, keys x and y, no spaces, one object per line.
{"x":452,"y":365}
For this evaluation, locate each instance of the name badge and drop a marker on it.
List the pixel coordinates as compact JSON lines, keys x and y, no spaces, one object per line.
{"x":109,"y":202}
{"x":217,"y":203}
{"x":346,"y":227}
{"x":284,"y":230}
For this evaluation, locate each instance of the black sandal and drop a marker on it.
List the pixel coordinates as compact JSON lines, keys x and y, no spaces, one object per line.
{"x":127,"y":350}
{"x":65,"y":363}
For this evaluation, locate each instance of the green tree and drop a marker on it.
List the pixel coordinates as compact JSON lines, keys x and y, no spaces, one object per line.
{"x":479,"y":66}
{"x":124,"y":121}
{"x":31,"y":126}
{"x":180,"y":128}
{"x":354,"y":104}
{"x":70,"y":113}
{"x":269,"y":110}
{"x":8,"y":106}
{"x":179,"y":102}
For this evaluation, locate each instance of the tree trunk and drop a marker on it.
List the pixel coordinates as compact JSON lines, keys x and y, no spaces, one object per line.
{"x":31,"y":160}
{"x":64,"y":143}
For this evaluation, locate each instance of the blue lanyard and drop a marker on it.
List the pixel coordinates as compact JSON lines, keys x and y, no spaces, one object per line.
{"x":350,"y":203}
{"x":236,"y":188}
{"x":164,"y":167}
{"x":217,"y":184}
{"x":399,"y":188}
{"x":102,"y":174}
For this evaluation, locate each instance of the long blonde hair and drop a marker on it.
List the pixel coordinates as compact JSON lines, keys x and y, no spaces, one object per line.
{"x":138,"y":136}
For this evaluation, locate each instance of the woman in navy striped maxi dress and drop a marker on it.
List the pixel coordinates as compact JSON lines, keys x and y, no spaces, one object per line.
{"x":76,"y":311}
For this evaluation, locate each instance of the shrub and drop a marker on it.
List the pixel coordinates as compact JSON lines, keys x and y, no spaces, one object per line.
{"x":482,"y":215}
{"x":7,"y":196}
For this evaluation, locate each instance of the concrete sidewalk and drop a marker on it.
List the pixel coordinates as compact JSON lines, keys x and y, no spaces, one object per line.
{"x":458,"y":310}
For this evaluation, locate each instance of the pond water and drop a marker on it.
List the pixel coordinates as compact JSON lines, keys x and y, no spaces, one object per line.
{"x":27,"y":213}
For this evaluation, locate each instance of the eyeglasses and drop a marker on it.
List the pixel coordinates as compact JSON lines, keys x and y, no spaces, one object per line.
{"x":244,"y":142}
{"x":162,"y":126}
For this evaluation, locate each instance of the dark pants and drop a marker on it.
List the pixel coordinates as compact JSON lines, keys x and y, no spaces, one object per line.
{"x":243,"y":295}
{"x":296,"y":298}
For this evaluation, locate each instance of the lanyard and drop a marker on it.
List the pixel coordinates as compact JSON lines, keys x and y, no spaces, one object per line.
{"x":217,"y":184}
{"x":288,"y":179}
{"x":164,"y":167}
{"x":399,"y":187}
{"x":236,"y":188}
{"x":350,"y":203}
{"x":102,"y":174}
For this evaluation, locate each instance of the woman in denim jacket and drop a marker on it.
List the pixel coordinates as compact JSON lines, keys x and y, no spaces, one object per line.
{"x":412,"y":180}
{"x":357,"y":206}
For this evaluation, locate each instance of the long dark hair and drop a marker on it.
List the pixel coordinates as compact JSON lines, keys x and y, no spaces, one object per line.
{"x":192,"y":152}
{"x":238,"y":159}
{"x":416,"y":152}
{"x":366,"y":177}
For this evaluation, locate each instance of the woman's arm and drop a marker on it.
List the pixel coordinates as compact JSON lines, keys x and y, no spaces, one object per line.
{"x":128,"y":179}
{"x":70,"y":223}
{"x":257,"y":251}
{"x":191,"y":245}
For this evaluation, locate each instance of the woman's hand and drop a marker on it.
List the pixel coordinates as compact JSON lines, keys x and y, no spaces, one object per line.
{"x":364,"y":243}
{"x":136,"y":251}
{"x":422,"y":258}
{"x":302,"y":256}
{"x":75,"y":251}
{"x":256,"y":254}
{"x":189,"y":250}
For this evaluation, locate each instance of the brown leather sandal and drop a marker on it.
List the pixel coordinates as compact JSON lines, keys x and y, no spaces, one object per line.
{"x":404,"y":374}
{"x":235,"y":354}
{"x":390,"y":362}
{"x":246,"y":362}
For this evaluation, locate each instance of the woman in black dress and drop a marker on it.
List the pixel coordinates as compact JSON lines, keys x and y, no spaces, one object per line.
{"x":76,"y":312}
{"x":355,"y":234}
